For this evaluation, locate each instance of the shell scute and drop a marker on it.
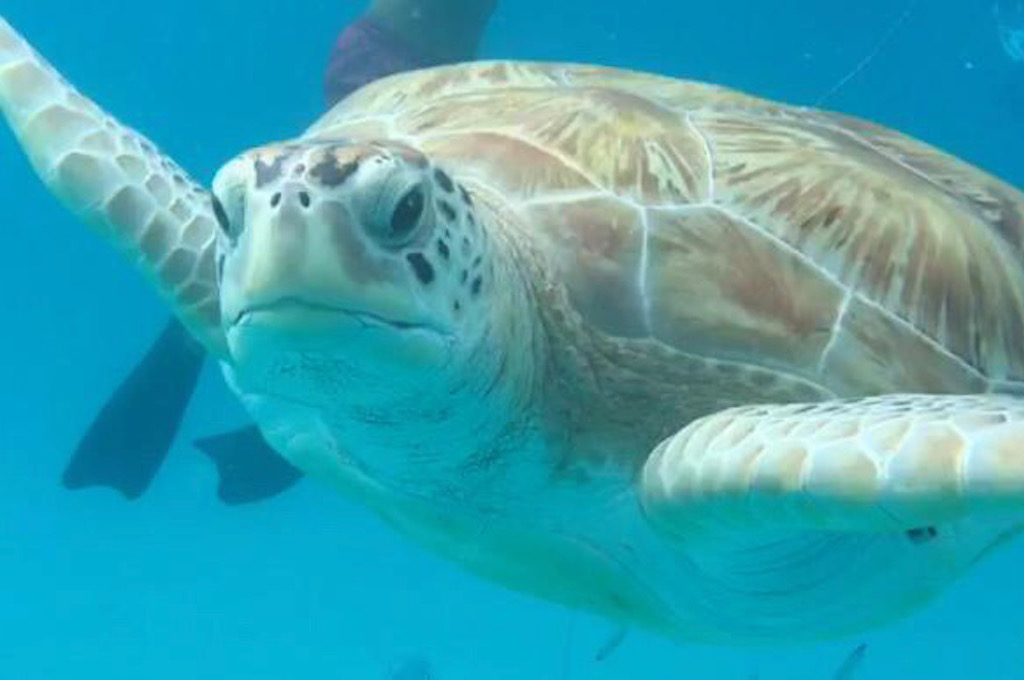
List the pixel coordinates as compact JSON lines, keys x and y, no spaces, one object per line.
{"x":598,"y":246}
{"x":885,"y":224}
{"x":718,"y":287}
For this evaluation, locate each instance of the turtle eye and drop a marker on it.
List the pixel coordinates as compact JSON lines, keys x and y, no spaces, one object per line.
{"x":407,"y":213}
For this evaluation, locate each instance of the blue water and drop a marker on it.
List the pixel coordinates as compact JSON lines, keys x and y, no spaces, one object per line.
{"x":309,"y":586}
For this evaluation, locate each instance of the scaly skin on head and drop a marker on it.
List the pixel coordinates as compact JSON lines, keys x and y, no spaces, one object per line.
{"x":363,"y":281}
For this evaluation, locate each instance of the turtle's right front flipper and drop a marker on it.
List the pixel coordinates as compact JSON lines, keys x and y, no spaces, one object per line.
{"x":118,"y":182}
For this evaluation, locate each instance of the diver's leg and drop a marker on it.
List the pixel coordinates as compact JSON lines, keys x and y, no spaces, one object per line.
{"x":128,"y":441}
{"x":402,"y":35}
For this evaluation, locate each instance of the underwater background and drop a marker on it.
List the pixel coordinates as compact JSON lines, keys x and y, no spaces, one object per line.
{"x":308,"y":585}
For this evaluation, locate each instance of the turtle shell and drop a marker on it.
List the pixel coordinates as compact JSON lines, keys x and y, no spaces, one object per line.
{"x":729,"y":226}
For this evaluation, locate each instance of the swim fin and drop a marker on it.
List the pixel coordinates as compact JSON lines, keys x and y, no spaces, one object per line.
{"x":250,"y":471}
{"x":128,"y":441}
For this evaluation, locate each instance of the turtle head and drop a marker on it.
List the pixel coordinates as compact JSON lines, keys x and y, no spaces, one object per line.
{"x":364,"y":259}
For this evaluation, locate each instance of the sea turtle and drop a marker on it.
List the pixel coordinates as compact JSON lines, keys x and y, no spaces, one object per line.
{"x":736,"y":371}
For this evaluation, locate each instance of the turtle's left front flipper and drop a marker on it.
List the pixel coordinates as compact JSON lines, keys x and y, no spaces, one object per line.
{"x":117,"y":181}
{"x":895,"y":463}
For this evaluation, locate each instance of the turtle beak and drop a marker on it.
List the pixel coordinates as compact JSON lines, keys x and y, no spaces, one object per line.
{"x":275,"y":250}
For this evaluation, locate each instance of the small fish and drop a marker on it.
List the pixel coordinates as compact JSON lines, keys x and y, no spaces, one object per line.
{"x":416,"y":668}
{"x":851,"y":666}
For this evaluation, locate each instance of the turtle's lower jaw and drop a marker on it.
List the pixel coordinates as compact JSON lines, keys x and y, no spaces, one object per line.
{"x":271,"y":330}
{"x":297,"y":314}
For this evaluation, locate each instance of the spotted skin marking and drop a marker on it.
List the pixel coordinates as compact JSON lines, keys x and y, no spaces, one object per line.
{"x":330,"y":174}
{"x":447,"y":210}
{"x":444,"y":181}
{"x":421,"y":267}
{"x":267,"y":174}
{"x":454,"y":248}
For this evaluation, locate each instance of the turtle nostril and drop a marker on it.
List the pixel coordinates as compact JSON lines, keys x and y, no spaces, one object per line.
{"x":275,"y":200}
{"x":304,"y":199}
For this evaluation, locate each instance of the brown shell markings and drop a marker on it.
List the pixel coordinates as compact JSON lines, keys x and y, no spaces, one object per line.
{"x":730,"y":226}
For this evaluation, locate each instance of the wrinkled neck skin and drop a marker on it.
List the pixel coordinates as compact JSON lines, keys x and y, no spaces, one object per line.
{"x":448,"y":431}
